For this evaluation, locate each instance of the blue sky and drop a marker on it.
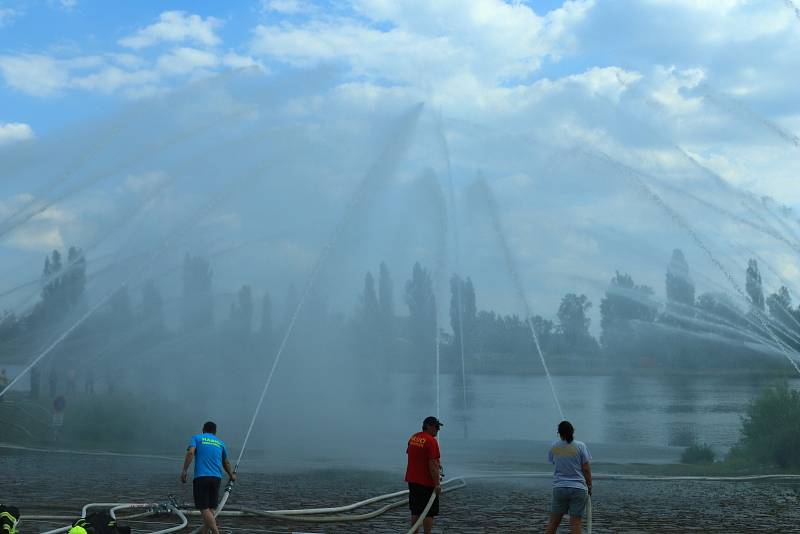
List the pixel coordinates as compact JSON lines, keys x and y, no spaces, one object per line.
{"x":650,"y":82}
{"x":634,"y":36}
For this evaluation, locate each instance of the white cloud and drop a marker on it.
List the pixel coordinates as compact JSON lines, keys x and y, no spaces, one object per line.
{"x":175,"y":27}
{"x":185,"y":60}
{"x":111,"y":79}
{"x":490,"y":40}
{"x":288,"y":7}
{"x":145,"y":183}
{"x":43,"y":232}
{"x":237,"y":61}
{"x":34,"y":74}
{"x":133,"y":76}
{"x":11,"y":132}
{"x":6,"y":16}
{"x":68,"y":5}
{"x":36,"y":238}
{"x":63,"y":5}
{"x":128,"y":61}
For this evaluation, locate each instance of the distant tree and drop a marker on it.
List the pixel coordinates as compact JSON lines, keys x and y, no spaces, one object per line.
{"x":421,"y":304}
{"x":470,"y":308}
{"x":289,"y":305}
{"x":151,"y":308}
{"x":62,"y":285}
{"x":367,"y":335}
{"x":545,"y":330}
{"x":463,"y":320}
{"x":780,"y":305}
{"x":51,"y":292}
{"x":719,"y":307}
{"x":679,"y":285}
{"x":241,"y":315}
{"x":10,"y":330}
{"x":120,"y":310}
{"x":198,"y":302}
{"x":387,"y":321}
{"x":462,"y":311}
{"x":753,"y":285}
{"x":74,"y":276}
{"x":780,"y":309}
{"x":369,"y":299}
{"x":623,"y":303}
{"x":573,"y":322}
{"x":385,"y":293}
{"x":265,"y":325}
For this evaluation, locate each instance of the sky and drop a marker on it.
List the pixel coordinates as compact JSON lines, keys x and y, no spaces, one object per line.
{"x":665,"y":86}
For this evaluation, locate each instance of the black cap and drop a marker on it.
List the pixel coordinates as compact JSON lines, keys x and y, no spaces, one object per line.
{"x":431,"y":420}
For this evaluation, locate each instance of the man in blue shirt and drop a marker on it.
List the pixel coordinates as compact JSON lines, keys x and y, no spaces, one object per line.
{"x":210,"y":458}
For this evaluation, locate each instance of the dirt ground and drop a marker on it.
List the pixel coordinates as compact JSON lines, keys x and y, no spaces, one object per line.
{"x":486,"y":505}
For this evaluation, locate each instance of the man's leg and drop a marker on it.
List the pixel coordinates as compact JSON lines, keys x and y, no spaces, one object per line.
{"x":427,"y":525}
{"x":575,"y":525}
{"x":209,"y":522}
{"x":414,"y":519}
{"x":552,"y":525}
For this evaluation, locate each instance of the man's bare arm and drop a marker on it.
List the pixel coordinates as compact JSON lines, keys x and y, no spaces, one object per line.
{"x":187,"y":461}
{"x":435,"y":470}
{"x":227,"y":466}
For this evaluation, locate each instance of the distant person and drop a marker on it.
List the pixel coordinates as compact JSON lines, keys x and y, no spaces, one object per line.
{"x":423,"y":472}
{"x":210,"y":458}
{"x":35,"y":383}
{"x":52,"y":380}
{"x":572,"y":479}
{"x":88,"y":385}
{"x":72,"y":375}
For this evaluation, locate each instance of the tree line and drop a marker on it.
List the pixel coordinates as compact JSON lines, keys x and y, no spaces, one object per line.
{"x":687,"y":330}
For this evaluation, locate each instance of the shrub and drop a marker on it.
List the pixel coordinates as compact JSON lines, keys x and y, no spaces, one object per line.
{"x":698,"y":454}
{"x":124,"y":421}
{"x":771,"y":429}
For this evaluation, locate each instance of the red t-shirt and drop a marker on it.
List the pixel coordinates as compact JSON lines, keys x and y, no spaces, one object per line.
{"x":422,"y":447}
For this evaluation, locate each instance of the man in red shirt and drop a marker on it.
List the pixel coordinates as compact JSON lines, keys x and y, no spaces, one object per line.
{"x":423,"y":472}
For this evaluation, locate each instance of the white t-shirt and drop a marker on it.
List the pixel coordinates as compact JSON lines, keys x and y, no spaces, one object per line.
{"x":569,"y":459}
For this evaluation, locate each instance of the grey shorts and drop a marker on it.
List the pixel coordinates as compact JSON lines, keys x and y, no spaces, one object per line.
{"x":569,"y":500}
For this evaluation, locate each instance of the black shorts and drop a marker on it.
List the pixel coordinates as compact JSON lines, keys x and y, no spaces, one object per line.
{"x":206,"y":492}
{"x":418,"y":497}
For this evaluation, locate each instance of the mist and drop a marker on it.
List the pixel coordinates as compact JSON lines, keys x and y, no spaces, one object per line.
{"x":177,"y":260}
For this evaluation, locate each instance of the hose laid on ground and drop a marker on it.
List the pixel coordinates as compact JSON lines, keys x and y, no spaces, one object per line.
{"x":589,"y":514}
{"x":121,"y":506}
{"x":300,"y":515}
{"x":314,"y":515}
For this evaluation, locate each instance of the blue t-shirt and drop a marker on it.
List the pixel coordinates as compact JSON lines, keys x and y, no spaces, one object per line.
{"x":569,"y":459}
{"x":209,"y":452}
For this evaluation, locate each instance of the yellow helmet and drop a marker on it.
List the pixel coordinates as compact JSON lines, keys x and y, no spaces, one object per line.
{"x":77,"y":530}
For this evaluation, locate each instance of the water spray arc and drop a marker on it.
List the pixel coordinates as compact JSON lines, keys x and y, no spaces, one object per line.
{"x":737,"y":108}
{"x":37,"y":206}
{"x":381,"y":170}
{"x":785,"y":283}
{"x":168,"y":243}
{"x":633,"y":177}
{"x":439,"y":284}
{"x":451,"y":197}
{"x":488,"y":198}
{"x":746,"y":199}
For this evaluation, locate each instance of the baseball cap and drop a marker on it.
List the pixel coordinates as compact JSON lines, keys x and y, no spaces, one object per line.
{"x":431,"y":420}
